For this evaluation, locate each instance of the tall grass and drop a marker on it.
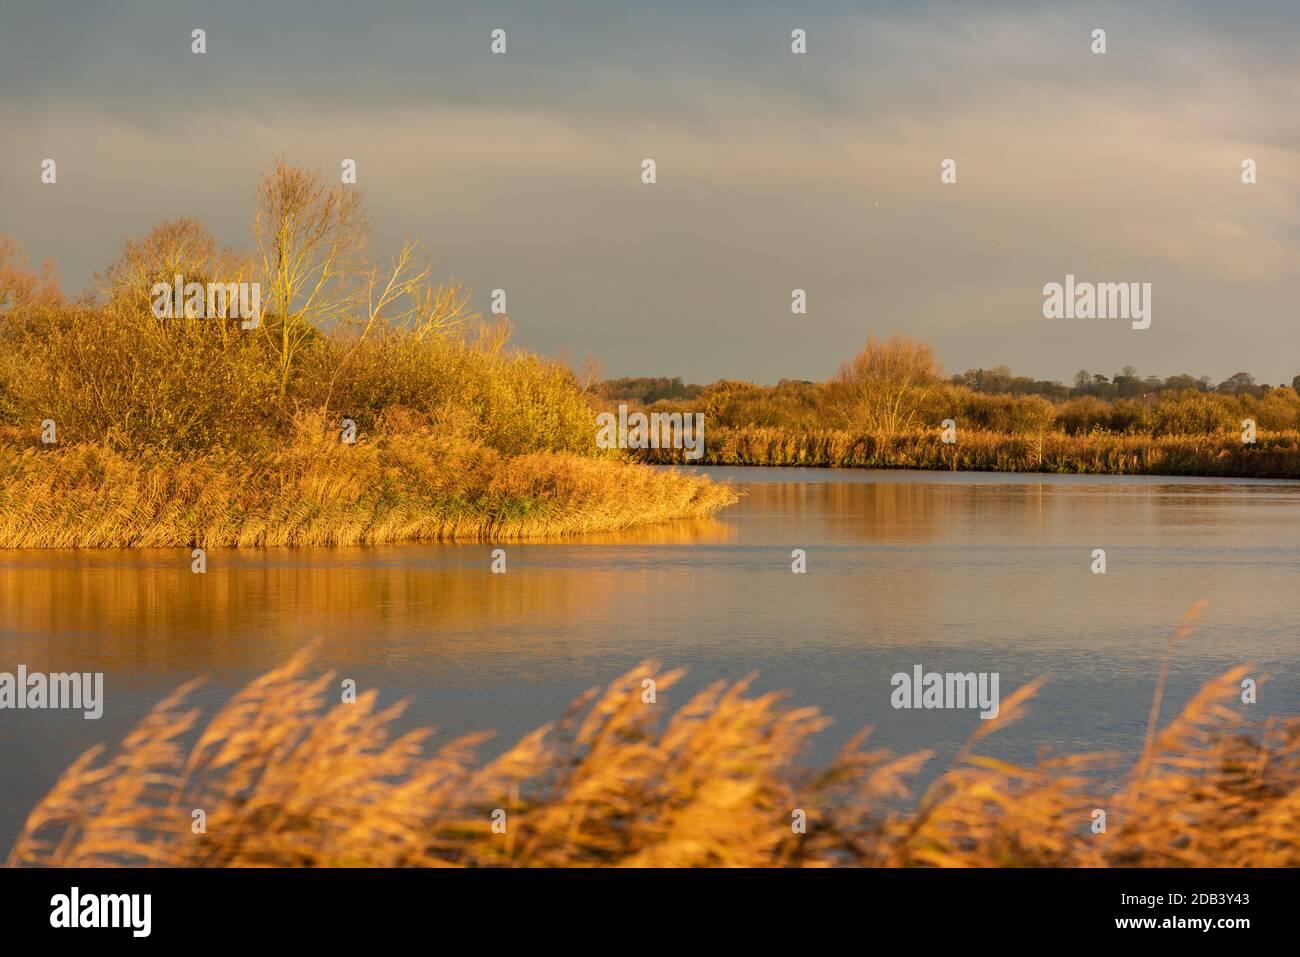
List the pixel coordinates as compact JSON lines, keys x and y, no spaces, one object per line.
{"x":1274,"y":455}
{"x":412,"y":485}
{"x":285,"y":780}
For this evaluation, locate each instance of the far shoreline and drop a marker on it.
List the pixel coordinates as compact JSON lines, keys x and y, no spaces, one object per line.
{"x":863,"y":474}
{"x":1272,"y":456}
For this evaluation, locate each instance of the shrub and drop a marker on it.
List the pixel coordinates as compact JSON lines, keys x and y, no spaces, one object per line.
{"x":1191,"y":413}
{"x":1084,"y":414}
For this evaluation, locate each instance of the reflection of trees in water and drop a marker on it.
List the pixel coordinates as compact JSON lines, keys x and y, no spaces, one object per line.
{"x":141,"y":612}
{"x":687,"y":531}
{"x":998,"y":512}
{"x":861,"y":511}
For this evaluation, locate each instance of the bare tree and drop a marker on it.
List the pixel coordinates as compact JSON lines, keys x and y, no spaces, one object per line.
{"x":311,"y":242}
{"x":173,"y":247}
{"x":20,"y":287}
{"x":884,"y":387}
{"x":177,"y":247}
{"x":402,"y":297}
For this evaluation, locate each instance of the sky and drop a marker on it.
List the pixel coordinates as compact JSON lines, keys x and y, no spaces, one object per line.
{"x":775,"y":171}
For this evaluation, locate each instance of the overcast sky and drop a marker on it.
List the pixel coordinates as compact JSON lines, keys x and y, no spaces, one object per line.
{"x":776,"y":171}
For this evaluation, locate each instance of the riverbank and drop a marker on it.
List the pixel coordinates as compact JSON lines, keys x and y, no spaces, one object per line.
{"x":1273,"y":455}
{"x":408,"y":487}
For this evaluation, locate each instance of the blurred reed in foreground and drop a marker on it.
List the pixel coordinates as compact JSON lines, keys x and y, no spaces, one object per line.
{"x":285,"y":781}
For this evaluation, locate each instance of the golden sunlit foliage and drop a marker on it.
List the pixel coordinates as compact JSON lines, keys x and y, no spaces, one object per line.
{"x":211,"y":430}
{"x":887,"y":408}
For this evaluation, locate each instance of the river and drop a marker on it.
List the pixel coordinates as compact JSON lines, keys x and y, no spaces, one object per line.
{"x":961,"y":572}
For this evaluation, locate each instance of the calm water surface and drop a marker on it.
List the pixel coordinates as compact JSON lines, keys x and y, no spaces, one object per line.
{"x":955,"y":572}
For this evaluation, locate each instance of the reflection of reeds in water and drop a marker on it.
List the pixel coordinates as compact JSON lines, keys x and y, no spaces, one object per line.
{"x":284,"y":782}
{"x":685,"y":531}
{"x":127,"y":610}
{"x":143,"y":611}
{"x":861,"y":511}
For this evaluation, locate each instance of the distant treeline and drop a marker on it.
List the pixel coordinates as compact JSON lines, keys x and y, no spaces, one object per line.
{"x":646,"y":390}
{"x":896,"y":386}
{"x":1125,"y":384}
{"x":815,"y":406}
{"x":887,"y":407}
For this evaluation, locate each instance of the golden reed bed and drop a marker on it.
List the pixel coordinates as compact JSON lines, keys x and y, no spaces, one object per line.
{"x":1274,"y":455}
{"x":285,"y":780}
{"x":395,"y":488}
